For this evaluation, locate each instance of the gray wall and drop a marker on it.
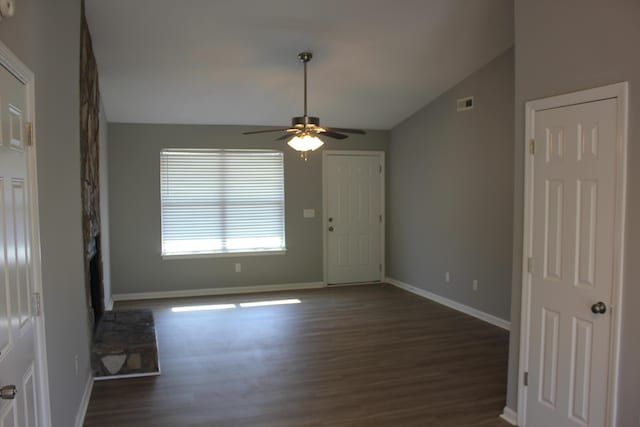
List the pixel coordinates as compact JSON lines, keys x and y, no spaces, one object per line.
{"x":46,"y":36}
{"x":103,"y":144}
{"x":134,"y":191}
{"x":451,"y":192}
{"x":563,"y":47}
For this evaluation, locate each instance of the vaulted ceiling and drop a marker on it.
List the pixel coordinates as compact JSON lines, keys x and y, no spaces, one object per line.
{"x":235,"y":61}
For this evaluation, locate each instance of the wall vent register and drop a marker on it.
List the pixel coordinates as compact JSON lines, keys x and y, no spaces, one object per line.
{"x":464,"y":104}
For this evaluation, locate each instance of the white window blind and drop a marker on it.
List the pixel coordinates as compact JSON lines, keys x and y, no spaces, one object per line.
{"x":221,"y":201}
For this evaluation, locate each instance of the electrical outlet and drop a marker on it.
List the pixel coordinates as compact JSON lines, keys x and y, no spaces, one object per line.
{"x":447,"y":277}
{"x":76,"y":361}
{"x":238,"y":267}
{"x":475,"y":285}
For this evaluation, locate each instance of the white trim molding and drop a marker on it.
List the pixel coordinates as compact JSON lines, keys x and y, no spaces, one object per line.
{"x":619,"y":92}
{"x":217,"y":291}
{"x":84,"y":403}
{"x":478,"y":314}
{"x":510,"y":416}
{"x":108,"y":305}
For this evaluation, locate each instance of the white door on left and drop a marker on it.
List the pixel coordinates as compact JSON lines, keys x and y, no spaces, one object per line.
{"x":17,"y":345}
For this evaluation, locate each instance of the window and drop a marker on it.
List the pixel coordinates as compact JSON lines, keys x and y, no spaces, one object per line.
{"x":221,"y":201}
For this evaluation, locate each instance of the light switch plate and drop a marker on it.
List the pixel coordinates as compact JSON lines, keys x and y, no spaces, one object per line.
{"x":309,"y":213}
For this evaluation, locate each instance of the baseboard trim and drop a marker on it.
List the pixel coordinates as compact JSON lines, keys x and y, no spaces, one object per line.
{"x":84,"y":403}
{"x":342,"y":285}
{"x":217,"y":291}
{"x":489,"y":318}
{"x":510,"y":416}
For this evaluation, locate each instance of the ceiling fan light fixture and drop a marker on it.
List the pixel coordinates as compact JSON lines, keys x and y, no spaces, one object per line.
{"x":306,"y":128}
{"x":305,"y":142}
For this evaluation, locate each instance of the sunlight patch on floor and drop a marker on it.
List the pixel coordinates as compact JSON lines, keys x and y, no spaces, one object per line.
{"x":202,"y":307}
{"x":264,"y":303}
{"x":189,"y":308}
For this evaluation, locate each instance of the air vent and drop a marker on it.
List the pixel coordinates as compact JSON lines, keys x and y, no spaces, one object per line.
{"x":465,"y":103}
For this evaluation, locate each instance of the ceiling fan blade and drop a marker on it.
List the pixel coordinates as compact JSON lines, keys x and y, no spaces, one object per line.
{"x":347,"y":130}
{"x":265,"y":131}
{"x":334,"y":135}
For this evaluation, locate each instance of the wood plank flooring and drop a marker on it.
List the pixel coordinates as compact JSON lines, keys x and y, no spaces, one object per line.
{"x":369,"y":356}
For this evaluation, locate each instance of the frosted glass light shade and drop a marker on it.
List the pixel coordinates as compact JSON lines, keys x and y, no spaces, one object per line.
{"x":305,"y":143}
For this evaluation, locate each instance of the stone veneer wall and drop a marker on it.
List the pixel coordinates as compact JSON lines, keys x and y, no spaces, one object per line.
{"x":89,"y":152}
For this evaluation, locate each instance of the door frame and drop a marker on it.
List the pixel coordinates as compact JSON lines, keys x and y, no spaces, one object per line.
{"x":13,"y":64}
{"x":619,"y":92}
{"x":325,"y":198}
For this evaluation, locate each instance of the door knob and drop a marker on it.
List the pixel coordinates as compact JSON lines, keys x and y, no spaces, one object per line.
{"x":8,"y":392}
{"x":330,"y":228}
{"x":599,"y":308}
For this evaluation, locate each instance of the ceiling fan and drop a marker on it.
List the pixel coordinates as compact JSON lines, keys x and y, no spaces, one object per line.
{"x":304,"y":130}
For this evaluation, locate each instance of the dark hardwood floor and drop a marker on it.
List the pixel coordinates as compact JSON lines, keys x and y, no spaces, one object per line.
{"x":369,"y":356}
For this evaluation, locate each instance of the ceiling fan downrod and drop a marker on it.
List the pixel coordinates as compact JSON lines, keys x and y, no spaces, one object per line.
{"x":305,"y":57}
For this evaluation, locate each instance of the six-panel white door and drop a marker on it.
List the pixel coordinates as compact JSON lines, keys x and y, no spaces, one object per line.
{"x":573,"y":244}
{"x":354,"y":217}
{"x":17,"y":349}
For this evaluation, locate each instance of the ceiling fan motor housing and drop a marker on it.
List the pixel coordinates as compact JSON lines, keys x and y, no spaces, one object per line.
{"x":304,"y":121}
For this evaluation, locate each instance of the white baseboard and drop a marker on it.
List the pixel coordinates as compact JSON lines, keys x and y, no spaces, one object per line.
{"x":342,"y":285}
{"x":217,"y":291}
{"x":489,"y":318}
{"x":510,"y":416}
{"x":84,"y":403}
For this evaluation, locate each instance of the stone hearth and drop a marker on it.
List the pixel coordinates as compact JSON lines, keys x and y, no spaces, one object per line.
{"x":125,"y":345}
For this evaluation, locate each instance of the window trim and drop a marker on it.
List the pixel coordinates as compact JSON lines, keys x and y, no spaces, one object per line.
{"x":266,"y":252}
{"x":243,"y":253}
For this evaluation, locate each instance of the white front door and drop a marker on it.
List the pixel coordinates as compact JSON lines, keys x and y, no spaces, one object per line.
{"x":573,"y":229}
{"x":354,"y":227}
{"x":17,"y":345}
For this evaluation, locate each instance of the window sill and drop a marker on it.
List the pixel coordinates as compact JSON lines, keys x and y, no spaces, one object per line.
{"x":224,"y":255}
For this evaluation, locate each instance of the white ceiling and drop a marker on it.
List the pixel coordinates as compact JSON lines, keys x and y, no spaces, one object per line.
{"x":235,"y":61}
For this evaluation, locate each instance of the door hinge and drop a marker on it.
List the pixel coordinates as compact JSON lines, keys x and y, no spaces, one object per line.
{"x":380,"y":217}
{"x":28,"y":133}
{"x":380,"y":168}
{"x":526,"y":379}
{"x":532,"y":146}
{"x":37,"y":305}
{"x":530,"y":264}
